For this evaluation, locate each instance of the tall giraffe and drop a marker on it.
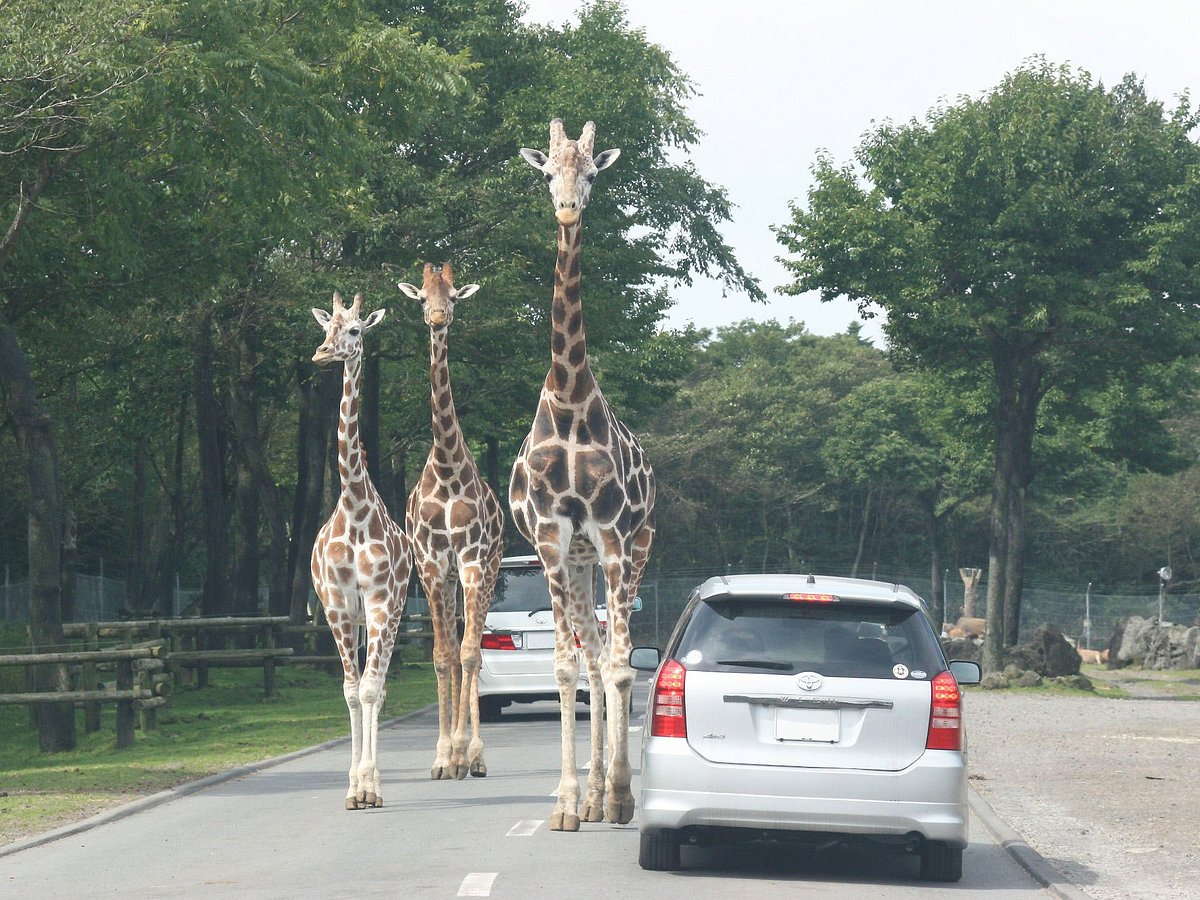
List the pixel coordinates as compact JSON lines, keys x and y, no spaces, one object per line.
{"x":581,"y":491}
{"x":360,"y":560}
{"x":457,"y":530}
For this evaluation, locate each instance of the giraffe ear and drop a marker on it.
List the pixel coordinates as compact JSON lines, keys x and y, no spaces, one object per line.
{"x":373,"y":319}
{"x":606,"y":159}
{"x":322,"y":316}
{"x":409,"y":290}
{"x":465,"y":291}
{"x":535,"y":158}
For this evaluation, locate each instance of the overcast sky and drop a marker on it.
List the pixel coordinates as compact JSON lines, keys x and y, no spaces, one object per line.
{"x":780,"y":80}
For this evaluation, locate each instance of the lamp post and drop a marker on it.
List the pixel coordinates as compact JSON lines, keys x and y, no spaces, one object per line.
{"x":1164,"y":575}
{"x":1087,"y":617}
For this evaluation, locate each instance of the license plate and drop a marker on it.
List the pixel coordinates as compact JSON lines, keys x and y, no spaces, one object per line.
{"x":817,"y":726}
{"x":538,"y":640}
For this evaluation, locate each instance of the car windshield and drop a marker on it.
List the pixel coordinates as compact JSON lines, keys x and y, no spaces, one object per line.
{"x":837,"y":639}
{"x":523,"y":589}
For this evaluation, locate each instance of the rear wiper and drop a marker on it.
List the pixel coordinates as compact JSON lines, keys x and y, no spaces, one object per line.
{"x":756,"y":664}
{"x":534,"y":612}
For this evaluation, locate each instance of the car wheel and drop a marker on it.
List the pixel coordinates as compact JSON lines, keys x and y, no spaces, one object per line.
{"x":489,"y":709}
{"x":940,"y":862}
{"x":659,"y":850}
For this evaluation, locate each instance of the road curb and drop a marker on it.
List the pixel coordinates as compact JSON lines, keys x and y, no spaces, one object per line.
{"x":1025,"y":856}
{"x":184,"y":790}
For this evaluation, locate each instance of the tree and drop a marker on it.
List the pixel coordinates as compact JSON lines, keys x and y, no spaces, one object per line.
{"x":1043,"y":236}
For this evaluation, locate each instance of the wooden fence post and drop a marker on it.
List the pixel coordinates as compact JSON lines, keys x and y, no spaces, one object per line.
{"x":90,"y":682}
{"x":124,"y":707}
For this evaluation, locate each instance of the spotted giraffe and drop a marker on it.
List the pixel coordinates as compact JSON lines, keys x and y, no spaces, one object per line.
{"x":360,"y":560}
{"x":457,"y":530}
{"x":582,"y":490}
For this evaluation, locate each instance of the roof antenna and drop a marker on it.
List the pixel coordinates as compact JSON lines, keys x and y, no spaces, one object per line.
{"x":811,"y":580}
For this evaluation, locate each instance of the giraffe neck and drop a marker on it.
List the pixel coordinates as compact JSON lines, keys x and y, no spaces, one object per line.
{"x":352,"y":461}
{"x":447,"y":435}
{"x":570,"y":378}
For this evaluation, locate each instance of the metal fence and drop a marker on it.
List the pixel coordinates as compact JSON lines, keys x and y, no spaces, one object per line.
{"x":1087,"y":616}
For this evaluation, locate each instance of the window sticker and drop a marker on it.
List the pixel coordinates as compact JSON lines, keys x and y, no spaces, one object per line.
{"x":900,"y":670}
{"x":692,"y":658}
{"x":916,"y":673}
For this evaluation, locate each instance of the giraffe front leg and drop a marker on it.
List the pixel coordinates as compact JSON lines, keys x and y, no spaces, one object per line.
{"x":445,"y":659}
{"x":353,"y":704}
{"x":467,"y":753}
{"x":565,"y":816}
{"x":618,"y":686}
{"x":593,"y":803}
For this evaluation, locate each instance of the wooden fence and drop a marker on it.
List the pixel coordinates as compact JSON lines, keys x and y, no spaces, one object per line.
{"x":156,"y":653}
{"x":140,"y":687}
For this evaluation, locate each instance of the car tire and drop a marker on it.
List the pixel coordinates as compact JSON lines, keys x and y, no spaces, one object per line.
{"x":659,"y":850}
{"x":940,"y":862}
{"x":489,"y":709}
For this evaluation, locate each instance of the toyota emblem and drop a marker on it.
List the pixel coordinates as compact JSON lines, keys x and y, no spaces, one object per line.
{"x":809,"y":681}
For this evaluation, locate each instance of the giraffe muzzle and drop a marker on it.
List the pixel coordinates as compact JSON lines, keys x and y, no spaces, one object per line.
{"x":568,"y":216}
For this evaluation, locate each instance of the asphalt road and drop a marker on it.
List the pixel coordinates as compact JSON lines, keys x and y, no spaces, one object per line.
{"x":282,"y":832}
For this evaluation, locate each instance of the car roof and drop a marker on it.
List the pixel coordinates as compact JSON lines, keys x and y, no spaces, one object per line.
{"x":857,"y":589}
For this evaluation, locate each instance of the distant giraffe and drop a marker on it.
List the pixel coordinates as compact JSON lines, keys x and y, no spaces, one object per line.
{"x":360,"y":560}
{"x":457,"y":530}
{"x":582,"y":490}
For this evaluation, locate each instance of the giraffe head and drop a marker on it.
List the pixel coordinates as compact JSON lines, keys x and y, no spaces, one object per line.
{"x":343,"y":330}
{"x":438,"y":295}
{"x":570,"y":169}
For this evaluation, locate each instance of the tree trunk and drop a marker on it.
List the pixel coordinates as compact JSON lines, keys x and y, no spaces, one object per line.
{"x":1005,"y":377}
{"x":937,"y":590}
{"x":35,"y":439}
{"x":1025,"y":415}
{"x":1014,"y":578}
{"x":136,"y":561}
{"x":316,"y":396}
{"x":862,"y":535}
{"x":970,"y":579}
{"x":215,"y":598}
{"x":368,"y":419}
{"x":246,"y":551}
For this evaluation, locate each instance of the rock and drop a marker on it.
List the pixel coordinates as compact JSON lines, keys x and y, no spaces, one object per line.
{"x":993,"y":681}
{"x":1028,"y":679}
{"x":1075,"y":682}
{"x":1135,"y":640}
{"x":1146,"y":643}
{"x":962,"y":648}
{"x":1059,"y":656}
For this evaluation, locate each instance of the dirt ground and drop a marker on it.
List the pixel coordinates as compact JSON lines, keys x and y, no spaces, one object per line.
{"x":1106,"y":790}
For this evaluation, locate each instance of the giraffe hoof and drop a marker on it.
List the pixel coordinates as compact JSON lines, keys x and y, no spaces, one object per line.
{"x":369,"y":801}
{"x":459,"y":772}
{"x":478,"y":769}
{"x":561,"y":821}
{"x":619,"y":812}
{"x":439,"y":773}
{"x":351,"y":803}
{"x":592,"y":812}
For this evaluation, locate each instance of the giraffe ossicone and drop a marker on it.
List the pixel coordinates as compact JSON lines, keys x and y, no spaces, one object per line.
{"x":360,"y":559}
{"x":582,"y":490}
{"x":457,"y":531}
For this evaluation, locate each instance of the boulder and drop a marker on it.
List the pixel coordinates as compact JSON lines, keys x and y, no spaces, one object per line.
{"x":1146,"y":643}
{"x":1049,"y":654}
{"x":962,"y":648}
{"x":1028,"y":679}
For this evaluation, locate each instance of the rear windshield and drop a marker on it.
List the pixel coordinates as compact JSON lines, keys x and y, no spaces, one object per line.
{"x":836,"y":639}
{"x":524,"y":590}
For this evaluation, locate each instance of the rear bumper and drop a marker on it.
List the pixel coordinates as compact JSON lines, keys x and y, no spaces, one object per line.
{"x":681,"y":790}
{"x":516,"y":685}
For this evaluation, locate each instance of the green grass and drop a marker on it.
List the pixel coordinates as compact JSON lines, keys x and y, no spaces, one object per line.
{"x":201,"y":732}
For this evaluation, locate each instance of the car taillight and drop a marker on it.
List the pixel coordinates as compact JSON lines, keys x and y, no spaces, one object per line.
{"x":945,"y":714}
{"x":668,"y":719}
{"x":811,"y":598}
{"x":491,"y":641}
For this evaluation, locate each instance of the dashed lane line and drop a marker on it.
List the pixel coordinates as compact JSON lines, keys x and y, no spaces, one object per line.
{"x":525,"y":828}
{"x":477,"y":884}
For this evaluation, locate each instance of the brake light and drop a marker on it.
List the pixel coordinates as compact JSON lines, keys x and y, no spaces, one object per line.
{"x":492,"y":641}
{"x":945,"y":714}
{"x":668,"y":719}
{"x":811,"y":598}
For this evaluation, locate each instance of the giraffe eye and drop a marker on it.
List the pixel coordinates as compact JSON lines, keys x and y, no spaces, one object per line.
{"x":353,"y":332}
{"x":549,"y":178}
{"x":591,"y":178}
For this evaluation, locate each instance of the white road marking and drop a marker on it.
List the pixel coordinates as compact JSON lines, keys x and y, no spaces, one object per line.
{"x":525,"y":828}
{"x":477,"y":884}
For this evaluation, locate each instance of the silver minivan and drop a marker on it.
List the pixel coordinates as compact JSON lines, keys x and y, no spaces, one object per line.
{"x":805,"y":708}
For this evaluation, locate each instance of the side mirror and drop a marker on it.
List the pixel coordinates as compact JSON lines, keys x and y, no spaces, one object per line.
{"x":645,"y":659}
{"x":966,"y":671}
{"x":637,"y":604}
